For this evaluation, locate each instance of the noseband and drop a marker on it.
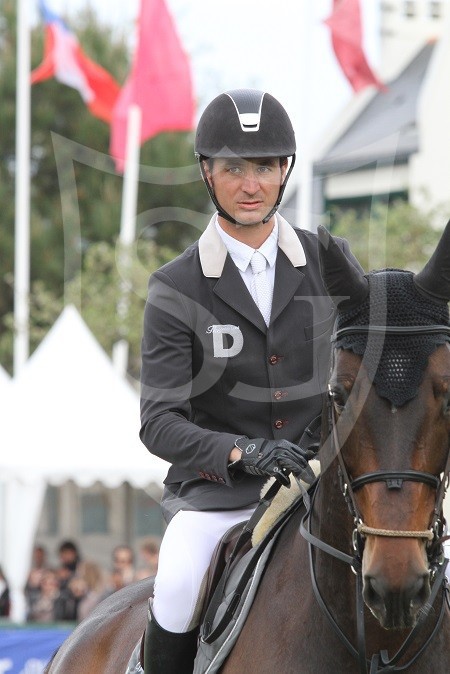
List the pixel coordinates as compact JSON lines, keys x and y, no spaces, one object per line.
{"x":380,"y":662}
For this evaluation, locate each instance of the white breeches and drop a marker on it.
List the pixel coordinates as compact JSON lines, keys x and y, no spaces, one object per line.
{"x":184,"y":557}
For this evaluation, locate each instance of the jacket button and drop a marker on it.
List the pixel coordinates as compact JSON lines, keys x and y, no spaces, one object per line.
{"x":273,"y":360}
{"x":279,"y":423}
{"x":278,"y":395}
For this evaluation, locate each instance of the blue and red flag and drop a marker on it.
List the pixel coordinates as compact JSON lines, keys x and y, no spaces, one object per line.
{"x":65,"y":61}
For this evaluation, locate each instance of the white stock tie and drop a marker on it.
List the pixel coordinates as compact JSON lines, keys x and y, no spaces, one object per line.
{"x":262,"y":287}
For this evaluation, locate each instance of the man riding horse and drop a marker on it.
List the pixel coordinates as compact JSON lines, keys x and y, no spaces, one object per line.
{"x":356,"y":579}
{"x":234,"y":355}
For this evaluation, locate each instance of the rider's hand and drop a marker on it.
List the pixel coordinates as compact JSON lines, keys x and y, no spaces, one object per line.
{"x":275,"y":458}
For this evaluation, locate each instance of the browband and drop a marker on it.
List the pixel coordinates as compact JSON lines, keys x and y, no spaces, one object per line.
{"x":391,"y":330}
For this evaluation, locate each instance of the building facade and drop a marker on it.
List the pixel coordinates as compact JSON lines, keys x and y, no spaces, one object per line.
{"x":98,"y":518}
{"x":393,"y":144}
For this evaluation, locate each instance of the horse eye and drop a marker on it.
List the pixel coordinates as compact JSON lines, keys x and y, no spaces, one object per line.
{"x":339,"y":397}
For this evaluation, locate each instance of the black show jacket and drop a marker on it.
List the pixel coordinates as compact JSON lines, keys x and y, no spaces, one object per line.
{"x":212,"y":371}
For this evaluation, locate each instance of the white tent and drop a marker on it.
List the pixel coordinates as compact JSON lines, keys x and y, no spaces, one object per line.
{"x":68,"y":415}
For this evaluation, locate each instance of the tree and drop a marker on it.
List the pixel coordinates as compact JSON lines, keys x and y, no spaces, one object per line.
{"x":96,"y":291}
{"x":399,"y":236}
{"x":75,"y":192}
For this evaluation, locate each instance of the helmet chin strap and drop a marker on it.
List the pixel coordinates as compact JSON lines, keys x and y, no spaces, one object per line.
{"x":227,"y":216}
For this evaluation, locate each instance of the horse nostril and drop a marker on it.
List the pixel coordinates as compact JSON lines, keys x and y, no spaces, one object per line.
{"x":373,"y":593}
{"x":396,"y":608}
{"x":421,"y":591}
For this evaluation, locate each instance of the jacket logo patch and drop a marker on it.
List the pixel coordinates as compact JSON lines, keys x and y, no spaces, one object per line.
{"x":221,"y":350}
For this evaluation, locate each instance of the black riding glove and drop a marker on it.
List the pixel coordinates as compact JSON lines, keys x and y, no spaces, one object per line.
{"x":275,"y":458}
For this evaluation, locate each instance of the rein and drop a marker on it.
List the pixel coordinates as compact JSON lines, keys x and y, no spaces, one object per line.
{"x":380,"y":662}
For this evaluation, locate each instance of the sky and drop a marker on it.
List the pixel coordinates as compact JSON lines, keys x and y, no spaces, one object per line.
{"x":259,"y":44}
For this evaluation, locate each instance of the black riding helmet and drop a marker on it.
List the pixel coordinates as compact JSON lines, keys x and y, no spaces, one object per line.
{"x":244,"y":123}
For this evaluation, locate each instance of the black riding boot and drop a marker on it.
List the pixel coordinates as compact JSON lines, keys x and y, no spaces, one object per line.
{"x":168,"y":652}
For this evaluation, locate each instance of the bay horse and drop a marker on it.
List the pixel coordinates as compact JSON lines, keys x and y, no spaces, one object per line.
{"x":356,"y":581}
{"x":358,"y":584}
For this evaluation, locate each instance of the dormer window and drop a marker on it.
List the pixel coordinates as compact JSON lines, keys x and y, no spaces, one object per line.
{"x":409,"y":9}
{"x":435,"y":10}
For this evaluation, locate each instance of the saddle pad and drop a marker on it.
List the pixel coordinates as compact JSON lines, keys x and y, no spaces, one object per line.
{"x":210,"y":657}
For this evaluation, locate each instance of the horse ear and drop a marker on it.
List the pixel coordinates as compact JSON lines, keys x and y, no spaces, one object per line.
{"x":345,"y":284}
{"x":434,"y":279}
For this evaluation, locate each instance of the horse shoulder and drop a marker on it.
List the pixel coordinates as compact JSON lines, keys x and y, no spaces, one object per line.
{"x":266,"y":641}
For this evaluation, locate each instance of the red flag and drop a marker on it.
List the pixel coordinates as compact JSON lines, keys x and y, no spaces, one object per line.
{"x":346,"y":37}
{"x":159,"y":82}
{"x":65,"y":60}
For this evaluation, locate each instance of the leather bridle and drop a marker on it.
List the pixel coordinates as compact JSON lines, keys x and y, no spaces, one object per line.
{"x":380,"y":662}
{"x":393,"y":480}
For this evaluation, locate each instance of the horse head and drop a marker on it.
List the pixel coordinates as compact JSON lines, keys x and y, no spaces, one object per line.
{"x":390,"y":412}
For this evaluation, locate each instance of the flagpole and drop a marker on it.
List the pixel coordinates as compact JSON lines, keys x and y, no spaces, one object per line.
{"x":128,"y":226}
{"x":305,"y":173}
{"x":22,"y":191}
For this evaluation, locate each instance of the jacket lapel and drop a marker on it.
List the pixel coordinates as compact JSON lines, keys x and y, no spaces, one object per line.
{"x":231,"y":288}
{"x":216,"y":263}
{"x":287,"y":281}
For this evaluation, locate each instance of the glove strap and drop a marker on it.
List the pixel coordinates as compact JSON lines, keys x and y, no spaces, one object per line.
{"x":249,"y":448}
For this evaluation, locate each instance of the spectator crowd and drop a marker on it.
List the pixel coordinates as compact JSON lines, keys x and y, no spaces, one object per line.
{"x":70,"y":590}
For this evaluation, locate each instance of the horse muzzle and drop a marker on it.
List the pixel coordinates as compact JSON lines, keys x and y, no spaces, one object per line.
{"x":396,"y":605}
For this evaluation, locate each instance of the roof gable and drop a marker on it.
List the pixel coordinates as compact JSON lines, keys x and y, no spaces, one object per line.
{"x":386,"y":129}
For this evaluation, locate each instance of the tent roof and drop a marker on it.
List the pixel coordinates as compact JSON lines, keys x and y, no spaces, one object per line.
{"x":70,"y":415}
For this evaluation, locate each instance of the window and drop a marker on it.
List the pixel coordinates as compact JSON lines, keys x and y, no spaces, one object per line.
{"x":147,"y":515}
{"x":49,"y":522}
{"x":409,"y":9}
{"x":435,"y":10}
{"x":94,"y":511}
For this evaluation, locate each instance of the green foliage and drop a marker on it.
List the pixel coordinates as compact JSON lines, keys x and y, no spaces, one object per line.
{"x":76,"y":195}
{"x":76,"y":199}
{"x":109,"y":275}
{"x":399,"y":236}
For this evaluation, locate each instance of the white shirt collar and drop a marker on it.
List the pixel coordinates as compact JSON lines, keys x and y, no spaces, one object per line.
{"x":213,"y":252}
{"x":241,"y":253}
